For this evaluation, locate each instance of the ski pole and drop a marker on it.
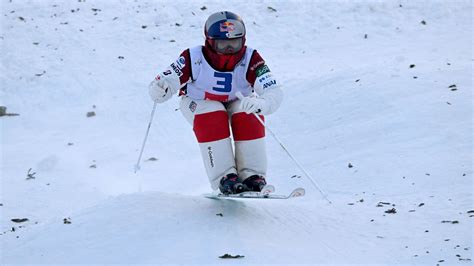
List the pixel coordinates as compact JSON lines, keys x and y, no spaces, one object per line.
{"x":240,"y":96}
{"x":137,"y":166}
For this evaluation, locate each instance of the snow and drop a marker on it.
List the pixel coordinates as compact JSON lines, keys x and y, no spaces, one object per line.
{"x":348,"y":100}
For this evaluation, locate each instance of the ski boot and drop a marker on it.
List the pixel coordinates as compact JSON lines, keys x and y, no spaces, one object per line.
{"x":231,"y":184}
{"x":254,"y":183}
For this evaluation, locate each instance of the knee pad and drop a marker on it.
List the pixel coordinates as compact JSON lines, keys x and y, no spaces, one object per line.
{"x":247,"y":127}
{"x":211,"y":126}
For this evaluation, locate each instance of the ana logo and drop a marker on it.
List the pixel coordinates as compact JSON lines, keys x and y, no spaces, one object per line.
{"x":227,"y":27}
{"x":270,"y":83}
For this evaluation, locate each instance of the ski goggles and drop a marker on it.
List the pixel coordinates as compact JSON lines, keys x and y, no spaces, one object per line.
{"x":228,"y":46}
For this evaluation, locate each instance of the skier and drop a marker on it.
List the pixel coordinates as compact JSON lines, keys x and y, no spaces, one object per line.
{"x":207,"y":79}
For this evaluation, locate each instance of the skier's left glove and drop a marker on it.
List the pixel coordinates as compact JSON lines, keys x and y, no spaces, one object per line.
{"x":265,"y":104}
{"x":252,"y":104}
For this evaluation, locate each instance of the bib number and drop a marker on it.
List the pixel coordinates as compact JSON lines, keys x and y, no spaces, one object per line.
{"x":224,"y":83}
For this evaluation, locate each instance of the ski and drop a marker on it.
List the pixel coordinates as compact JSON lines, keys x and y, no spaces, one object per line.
{"x":266,"y":193}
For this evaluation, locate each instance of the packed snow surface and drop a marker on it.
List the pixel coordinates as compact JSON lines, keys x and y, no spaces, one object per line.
{"x":378,"y":109}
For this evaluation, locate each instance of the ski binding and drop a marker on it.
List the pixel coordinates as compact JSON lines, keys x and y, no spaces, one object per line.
{"x":266,"y":193}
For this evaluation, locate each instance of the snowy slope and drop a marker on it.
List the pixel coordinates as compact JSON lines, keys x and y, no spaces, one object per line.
{"x":367,"y":83}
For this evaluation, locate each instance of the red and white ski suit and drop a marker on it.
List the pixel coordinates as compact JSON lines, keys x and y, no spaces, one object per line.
{"x":209,"y":103}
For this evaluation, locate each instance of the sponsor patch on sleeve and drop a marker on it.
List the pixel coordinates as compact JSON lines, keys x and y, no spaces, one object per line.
{"x":265,"y":77}
{"x":266,"y":80}
{"x":262,"y":70}
{"x":257,"y":65}
{"x":192,"y":106}
{"x":181,"y":62}
{"x":176,"y":69}
{"x":269,"y":84}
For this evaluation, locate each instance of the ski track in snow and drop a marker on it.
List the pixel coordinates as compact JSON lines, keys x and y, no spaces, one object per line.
{"x":352,"y":98}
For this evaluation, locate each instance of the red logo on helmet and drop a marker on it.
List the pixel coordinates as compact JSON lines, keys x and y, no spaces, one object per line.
{"x":227,"y":27}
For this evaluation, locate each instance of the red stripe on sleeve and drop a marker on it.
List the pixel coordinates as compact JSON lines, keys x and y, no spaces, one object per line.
{"x":247,"y":127}
{"x":255,"y":62}
{"x":187,"y":73}
{"x":211,"y":126}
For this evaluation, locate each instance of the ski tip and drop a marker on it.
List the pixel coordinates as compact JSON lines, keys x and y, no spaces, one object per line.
{"x":212,"y":196}
{"x":298,"y":192}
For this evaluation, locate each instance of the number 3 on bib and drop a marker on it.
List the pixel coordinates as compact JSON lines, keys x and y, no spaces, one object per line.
{"x":224,"y":82}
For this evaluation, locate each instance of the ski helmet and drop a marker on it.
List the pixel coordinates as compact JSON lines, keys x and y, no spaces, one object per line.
{"x":225,"y":32}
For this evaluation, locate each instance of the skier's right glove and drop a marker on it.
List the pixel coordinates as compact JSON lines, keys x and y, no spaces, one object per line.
{"x":159,"y":90}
